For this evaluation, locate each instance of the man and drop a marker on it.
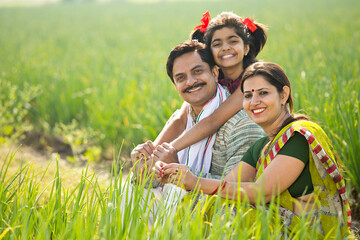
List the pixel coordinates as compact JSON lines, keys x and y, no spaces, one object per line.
{"x":194,"y":74}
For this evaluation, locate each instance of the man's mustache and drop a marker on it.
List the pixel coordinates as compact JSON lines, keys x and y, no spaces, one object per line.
{"x":194,"y":86}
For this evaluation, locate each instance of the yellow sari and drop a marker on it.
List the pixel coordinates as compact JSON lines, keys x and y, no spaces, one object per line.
{"x":329,"y":186}
{"x":333,"y":209}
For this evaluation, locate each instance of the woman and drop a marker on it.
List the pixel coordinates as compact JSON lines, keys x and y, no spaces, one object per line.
{"x":294,"y":159}
{"x":234,"y":43}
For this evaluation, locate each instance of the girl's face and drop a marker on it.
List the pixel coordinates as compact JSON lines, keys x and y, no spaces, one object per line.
{"x":264,"y":104}
{"x":228,"y":48}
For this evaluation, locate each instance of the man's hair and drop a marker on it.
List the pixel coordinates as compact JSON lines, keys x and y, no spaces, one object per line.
{"x":186,"y":47}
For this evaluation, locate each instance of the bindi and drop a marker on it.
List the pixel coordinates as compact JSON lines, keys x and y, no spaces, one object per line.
{"x":252,"y":90}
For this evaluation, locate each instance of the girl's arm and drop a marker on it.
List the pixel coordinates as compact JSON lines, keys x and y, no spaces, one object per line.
{"x":174,"y":127}
{"x":210,"y":124}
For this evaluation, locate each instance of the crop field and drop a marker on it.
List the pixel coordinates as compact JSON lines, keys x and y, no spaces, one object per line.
{"x":94,"y":75}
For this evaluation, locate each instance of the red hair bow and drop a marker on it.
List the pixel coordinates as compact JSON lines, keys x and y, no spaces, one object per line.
{"x":249,"y":24}
{"x":205,"y":20}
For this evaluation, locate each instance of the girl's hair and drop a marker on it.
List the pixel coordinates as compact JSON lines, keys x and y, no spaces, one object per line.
{"x":276,"y":76}
{"x":256,"y":40}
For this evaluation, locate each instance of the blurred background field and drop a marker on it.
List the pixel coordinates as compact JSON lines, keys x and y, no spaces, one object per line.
{"x":94,"y":74}
{"x":88,"y":78}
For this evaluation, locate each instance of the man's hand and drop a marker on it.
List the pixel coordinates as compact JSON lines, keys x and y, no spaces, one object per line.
{"x":142,"y":151}
{"x":141,"y":158}
{"x":165,"y":153}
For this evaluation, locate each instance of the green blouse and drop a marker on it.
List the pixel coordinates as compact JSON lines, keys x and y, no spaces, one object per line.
{"x":296,"y":147}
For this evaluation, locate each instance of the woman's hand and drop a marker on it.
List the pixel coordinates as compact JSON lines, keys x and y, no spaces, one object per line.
{"x":159,"y":176}
{"x":178,"y":174}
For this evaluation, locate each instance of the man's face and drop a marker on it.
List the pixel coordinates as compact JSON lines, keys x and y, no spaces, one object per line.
{"x":194,"y":80}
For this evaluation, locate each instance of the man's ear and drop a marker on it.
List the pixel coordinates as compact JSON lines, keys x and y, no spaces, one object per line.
{"x":175,"y":86}
{"x":215,"y":72}
{"x":285,"y":95}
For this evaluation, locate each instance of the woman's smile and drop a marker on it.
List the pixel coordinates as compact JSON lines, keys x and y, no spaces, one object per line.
{"x":258,"y":111}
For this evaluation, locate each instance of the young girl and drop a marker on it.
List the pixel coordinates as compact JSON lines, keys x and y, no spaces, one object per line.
{"x":234,"y":43}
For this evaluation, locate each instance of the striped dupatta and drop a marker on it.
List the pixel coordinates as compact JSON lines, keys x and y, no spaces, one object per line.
{"x":329,"y":185}
{"x":198,"y":156}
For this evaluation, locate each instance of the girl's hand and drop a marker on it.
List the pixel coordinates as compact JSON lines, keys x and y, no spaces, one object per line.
{"x":165,"y":153}
{"x":180,"y":175}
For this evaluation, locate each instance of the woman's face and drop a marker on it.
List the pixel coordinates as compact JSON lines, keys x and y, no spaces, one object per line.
{"x":228,"y":48}
{"x":263,"y":103}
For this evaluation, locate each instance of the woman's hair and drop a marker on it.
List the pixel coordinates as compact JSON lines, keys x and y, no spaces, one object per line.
{"x":276,"y":76}
{"x":256,"y":40}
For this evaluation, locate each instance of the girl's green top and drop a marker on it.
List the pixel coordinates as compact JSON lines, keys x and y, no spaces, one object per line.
{"x":296,"y":147}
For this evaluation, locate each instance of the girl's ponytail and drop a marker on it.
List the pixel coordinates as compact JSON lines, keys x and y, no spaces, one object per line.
{"x":257,"y":39}
{"x":197,"y":35}
{"x":199,"y":31}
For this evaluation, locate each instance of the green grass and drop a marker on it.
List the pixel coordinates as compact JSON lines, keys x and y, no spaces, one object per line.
{"x":50,"y":210}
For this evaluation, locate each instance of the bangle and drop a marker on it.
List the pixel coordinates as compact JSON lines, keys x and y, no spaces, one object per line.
{"x":222,"y":188}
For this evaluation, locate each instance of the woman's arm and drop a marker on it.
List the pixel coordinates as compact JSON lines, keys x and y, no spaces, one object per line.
{"x":210,"y":124}
{"x":174,"y":127}
{"x":242,"y":170}
{"x":277,"y":177}
{"x":180,"y":173}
